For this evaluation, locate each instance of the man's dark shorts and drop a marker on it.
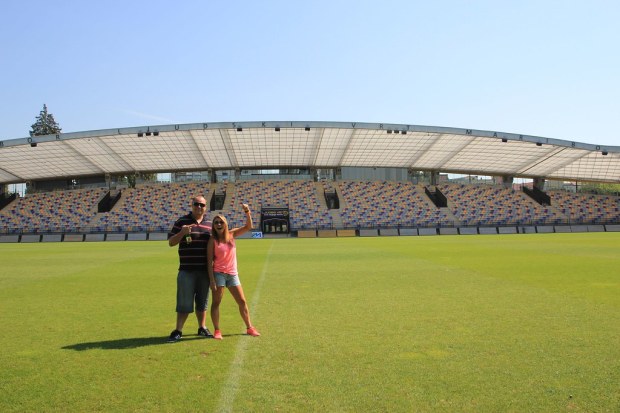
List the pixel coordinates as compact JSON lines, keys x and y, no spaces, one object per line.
{"x":192,"y":288}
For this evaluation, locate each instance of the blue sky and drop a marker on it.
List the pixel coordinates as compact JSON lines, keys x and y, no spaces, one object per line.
{"x":543,"y":68}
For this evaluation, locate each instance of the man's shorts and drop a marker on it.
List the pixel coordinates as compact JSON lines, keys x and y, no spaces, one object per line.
{"x":226,"y":280}
{"x":192,"y":288}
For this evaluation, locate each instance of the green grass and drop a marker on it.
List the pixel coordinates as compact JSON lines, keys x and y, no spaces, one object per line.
{"x":451,"y":323}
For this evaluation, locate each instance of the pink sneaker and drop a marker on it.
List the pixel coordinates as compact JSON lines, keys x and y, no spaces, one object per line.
{"x":253,"y":332}
{"x":217,"y":335}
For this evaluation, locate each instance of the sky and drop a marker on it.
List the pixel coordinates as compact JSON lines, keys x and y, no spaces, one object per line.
{"x":540,"y":68}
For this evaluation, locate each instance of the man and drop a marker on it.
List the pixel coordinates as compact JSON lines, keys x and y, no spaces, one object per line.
{"x":191,"y":233}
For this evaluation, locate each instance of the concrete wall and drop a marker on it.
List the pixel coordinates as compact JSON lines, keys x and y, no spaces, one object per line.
{"x":578,"y":228}
{"x":138,"y":236}
{"x":162,"y":236}
{"x":507,"y":230}
{"x":158,"y":236}
{"x":95,"y":237}
{"x":115,"y":237}
{"x":544,"y":229}
{"x":345,"y":232}
{"x":74,"y":237}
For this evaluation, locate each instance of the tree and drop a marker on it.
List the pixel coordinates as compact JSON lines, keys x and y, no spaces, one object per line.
{"x":136,"y":177}
{"x":600,"y":188}
{"x":45,"y":124}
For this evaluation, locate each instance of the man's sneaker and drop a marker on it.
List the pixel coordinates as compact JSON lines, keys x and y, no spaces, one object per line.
{"x":253,"y":332}
{"x":217,"y":335}
{"x":203,"y":331}
{"x":175,"y":336}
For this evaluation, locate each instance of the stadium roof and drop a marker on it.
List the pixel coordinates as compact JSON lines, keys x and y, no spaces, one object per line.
{"x":270,"y":145}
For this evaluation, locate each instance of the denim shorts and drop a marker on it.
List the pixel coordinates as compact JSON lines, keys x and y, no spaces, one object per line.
{"x":226,"y":280}
{"x":192,"y":289}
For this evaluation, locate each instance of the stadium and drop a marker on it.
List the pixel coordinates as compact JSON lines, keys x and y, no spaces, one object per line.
{"x":307,"y":179}
{"x":360,"y":276}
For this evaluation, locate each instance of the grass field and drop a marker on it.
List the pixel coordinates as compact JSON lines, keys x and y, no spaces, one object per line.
{"x":501,"y":323}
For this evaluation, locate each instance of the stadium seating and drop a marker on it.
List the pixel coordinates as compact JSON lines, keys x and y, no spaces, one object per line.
{"x":489,"y":205}
{"x":59,"y":211}
{"x":380,"y":206}
{"x":149,"y":208}
{"x":300,"y":197}
{"x":371,"y":204}
{"x":587,"y":208}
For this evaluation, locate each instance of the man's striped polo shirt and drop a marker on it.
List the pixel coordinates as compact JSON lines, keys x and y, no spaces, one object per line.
{"x":193,"y":255}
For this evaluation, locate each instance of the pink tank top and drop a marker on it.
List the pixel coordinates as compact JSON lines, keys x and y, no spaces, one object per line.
{"x":225,"y":257}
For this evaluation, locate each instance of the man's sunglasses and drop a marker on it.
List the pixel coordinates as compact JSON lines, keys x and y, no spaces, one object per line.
{"x":200,"y":204}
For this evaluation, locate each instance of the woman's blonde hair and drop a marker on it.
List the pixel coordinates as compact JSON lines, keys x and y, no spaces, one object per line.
{"x":223,"y":235}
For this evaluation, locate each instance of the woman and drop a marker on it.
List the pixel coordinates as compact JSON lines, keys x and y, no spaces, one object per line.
{"x":222,"y":256}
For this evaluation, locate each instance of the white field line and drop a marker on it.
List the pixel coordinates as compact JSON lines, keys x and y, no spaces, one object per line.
{"x":230,"y":388}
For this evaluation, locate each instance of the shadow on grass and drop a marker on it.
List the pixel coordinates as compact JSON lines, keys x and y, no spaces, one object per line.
{"x":129,"y":343}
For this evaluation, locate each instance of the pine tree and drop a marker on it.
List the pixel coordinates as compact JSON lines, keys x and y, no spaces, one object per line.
{"x":45,"y":124}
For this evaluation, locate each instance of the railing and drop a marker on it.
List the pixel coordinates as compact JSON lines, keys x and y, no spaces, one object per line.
{"x":5,"y":200}
{"x":537,"y":195}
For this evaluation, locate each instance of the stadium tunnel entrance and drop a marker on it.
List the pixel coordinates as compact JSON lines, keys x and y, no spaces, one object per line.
{"x":275,"y":220}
